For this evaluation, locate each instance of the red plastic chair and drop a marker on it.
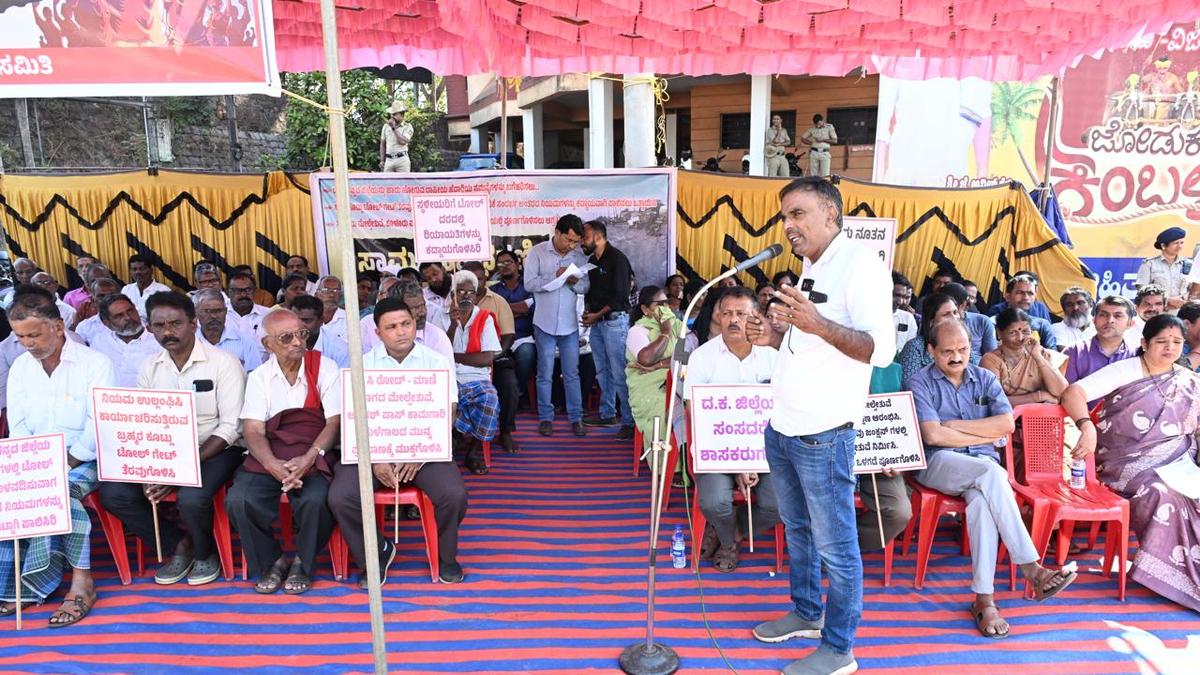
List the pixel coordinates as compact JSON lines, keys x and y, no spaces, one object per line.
{"x":285,"y":527}
{"x":1053,"y":500}
{"x":928,"y":507}
{"x":410,"y":496}
{"x":114,"y":533}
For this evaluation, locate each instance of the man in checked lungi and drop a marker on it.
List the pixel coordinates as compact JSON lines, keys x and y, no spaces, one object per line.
{"x":476,"y":339}
{"x":50,"y":391}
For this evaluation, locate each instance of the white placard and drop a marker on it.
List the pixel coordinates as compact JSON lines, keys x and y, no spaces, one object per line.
{"x":728,"y":421}
{"x":888,"y":435}
{"x":878,"y":234}
{"x":146,"y":436}
{"x":409,"y":416}
{"x":34,"y":496}
{"x":451,"y":227}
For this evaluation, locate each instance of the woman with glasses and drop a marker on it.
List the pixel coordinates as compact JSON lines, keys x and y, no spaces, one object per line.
{"x":1028,"y":371}
{"x":648,"y":352}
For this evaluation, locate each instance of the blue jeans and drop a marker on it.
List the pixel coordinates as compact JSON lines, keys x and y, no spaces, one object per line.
{"x":568,"y":354}
{"x":525,"y":358}
{"x":608,"y":353}
{"x":813,"y":478}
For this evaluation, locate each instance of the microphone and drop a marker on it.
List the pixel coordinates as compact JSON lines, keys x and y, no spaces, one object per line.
{"x":772,"y":251}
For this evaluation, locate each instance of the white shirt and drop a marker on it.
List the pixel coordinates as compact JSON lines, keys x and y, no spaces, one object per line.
{"x":268,"y":392}
{"x":66,"y":311}
{"x":1102,"y":382}
{"x":336,"y":325}
{"x":235,"y":341}
{"x":1066,"y":335}
{"x":218,"y":407}
{"x":138,"y":298}
{"x":435,"y":310}
{"x":713,"y":363}
{"x":906,"y":327}
{"x":10,"y":349}
{"x":90,"y":327}
{"x":859,"y":296}
{"x":1133,"y":335}
{"x":334,"y":347}
{"x":489,"y":341}
{"x":59,"y":402}
{"x":251,"y":321}
{"x":127,"y":357}
{"x":432,"y":336}
{"x":420,"y":358}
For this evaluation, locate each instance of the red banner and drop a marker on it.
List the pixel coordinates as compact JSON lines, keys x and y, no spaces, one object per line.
{"x":136,"y":48}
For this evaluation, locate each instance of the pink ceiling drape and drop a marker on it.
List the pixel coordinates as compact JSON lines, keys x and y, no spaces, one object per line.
{"x":916,"y":39}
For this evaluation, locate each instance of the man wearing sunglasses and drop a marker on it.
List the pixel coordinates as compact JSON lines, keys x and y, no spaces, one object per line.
{"x":290,"y":420}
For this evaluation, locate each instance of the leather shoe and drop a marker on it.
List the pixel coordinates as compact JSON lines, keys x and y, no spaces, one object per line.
{"x":450,"y":572}
{"x":579,"y":429}
{"x":546,"y":428}
{"x":625,"y":434}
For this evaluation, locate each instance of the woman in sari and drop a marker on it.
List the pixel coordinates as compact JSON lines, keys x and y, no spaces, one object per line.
{"x":1027,"y":370}
{"x":648,"y":352}
{"x":1149,"y":421}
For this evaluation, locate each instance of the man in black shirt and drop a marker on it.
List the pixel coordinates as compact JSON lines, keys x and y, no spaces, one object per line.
{"x":606,"y":312}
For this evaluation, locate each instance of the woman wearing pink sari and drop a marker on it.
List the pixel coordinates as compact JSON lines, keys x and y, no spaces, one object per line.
{"x":1149,"y":421}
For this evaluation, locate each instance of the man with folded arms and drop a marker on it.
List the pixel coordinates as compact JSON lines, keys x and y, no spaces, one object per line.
{"x":217,"y":382}
{"x":441,"y":481}
{"x":49,"y":392}
{"x":963,"y":411}
{"x":290,"y":420}
{"x":731,"y":359}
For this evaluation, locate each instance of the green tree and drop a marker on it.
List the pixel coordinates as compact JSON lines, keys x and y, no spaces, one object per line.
{"x":366,"y":100}
{"x":1014,"y":103}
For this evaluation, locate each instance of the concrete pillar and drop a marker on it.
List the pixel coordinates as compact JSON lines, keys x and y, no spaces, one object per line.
{"x":639,"y":121}
{"x":760,"y":118}
{"x":600,"y":124}
{"x":587,"y":147}
{"x":479,"y":139}
{"x":672,"y":149}
{"x":531,"y":134}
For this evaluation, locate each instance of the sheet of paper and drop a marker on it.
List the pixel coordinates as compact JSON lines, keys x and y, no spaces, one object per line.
{"x":1182,"y":476}
{"x":571,"y":271}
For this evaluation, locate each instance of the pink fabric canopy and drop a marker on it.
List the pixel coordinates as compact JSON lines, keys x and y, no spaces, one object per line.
{"x":915,"y":39}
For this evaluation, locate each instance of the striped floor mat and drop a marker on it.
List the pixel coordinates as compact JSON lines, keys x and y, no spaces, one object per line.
{"x":554,"y":551}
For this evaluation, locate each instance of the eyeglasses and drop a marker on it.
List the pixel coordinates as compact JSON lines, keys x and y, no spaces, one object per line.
{"x":286,"y":338}
{"x":656,"y":302}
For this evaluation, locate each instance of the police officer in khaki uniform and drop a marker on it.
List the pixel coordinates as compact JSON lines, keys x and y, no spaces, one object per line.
{"x":1169,"y":269}
{"x":393,"y":141}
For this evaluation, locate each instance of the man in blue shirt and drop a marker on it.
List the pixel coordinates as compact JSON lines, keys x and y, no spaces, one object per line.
{"x":555,"y":318}
{"x":980,"y":327}
{"x":963,"y":412}
{"x":1021,"y":292}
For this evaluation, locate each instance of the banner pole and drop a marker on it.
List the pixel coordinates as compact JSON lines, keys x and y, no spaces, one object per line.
{"x":17,"y":570}
{"x":396,"y":514}
{"x":157,"y":536}
{"x":1045,"y":196}
{"x":878,"y":512}
{"x":341,"y":184}
{"x":749,"y":517}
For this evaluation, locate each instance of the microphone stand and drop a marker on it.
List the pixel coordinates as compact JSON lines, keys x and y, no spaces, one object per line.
{"x":650,"y":657}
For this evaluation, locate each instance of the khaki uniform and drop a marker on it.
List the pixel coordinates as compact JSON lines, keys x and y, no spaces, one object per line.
{"x":818,"y":155}
{"x":777,"y":165}
{"x":396,"y":155}
{"x":1171,"y":276}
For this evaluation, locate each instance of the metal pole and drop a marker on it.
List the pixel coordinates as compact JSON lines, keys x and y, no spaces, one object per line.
{"x":235,"y":150}
{"x":502,"y":87}
{"x":1049,"y":144}
{"x":341,"y":184}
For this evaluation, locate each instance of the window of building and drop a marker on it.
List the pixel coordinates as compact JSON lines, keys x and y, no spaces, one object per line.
{"x":855,"y":126}
{"x":735,"y":127}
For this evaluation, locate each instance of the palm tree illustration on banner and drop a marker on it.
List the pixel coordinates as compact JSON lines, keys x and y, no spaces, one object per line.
{"x":1014,"y":103}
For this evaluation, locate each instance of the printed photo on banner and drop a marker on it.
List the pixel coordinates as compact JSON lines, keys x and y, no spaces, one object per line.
{"x":636,"y":205}
{"x":728,"y":421}
{"x":451,"y":228}
{"x":877,"y":234}
{"x":146,"y":436}
{"x":34,"y":495}
{"x":888,"y":436}
{"x":409,"y":416}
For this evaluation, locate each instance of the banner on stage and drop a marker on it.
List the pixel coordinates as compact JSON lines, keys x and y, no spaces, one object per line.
{"x":146,"y":436}
{"x":636,"y":205}
{"x":53,"y":49}
{"x":451,"y":228}
{"x":728,"y":421}
{"x":409,"y":415}
{"x":877,"y":234}
{"x":34,"y":496}
{"x":888,"y":436}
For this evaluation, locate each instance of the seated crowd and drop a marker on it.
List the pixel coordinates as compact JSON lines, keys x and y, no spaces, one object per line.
{"x":266,"y":372}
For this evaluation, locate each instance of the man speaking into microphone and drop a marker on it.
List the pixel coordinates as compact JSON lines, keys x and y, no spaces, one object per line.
{"x":839,"y":321}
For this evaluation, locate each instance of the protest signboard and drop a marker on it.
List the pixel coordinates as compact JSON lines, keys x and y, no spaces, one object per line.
{"x":408,"y":417}
{"x":889,"y":435}
{"x":451,"y":227}
{"x":146,"y":436}
{"x":877,"y":234}
{"x":728,"y":421}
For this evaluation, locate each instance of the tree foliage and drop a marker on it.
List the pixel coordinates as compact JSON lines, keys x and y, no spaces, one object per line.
{"x":366,"y":100}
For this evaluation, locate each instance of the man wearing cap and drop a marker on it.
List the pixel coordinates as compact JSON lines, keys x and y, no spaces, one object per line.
{"x":1168,"y":269}
{"x":393,"y":141}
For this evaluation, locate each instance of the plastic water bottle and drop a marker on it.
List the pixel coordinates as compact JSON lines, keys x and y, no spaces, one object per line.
{"x":678,"y":549}
{"x":1078,"y":474}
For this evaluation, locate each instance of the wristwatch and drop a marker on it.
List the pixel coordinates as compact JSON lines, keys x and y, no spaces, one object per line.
{"x":319,"y":449}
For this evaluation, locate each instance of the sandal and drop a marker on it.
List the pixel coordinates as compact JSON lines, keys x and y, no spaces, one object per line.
{"x":271,"y":581}
{"x":726,"y":558}
{"x":10,"y":608}
{"x":997,"y":625}
{"x":71,"y":612}
{"x":1048,"y":583}
{"x":709,"y":544}
{"x":297,"y":581}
